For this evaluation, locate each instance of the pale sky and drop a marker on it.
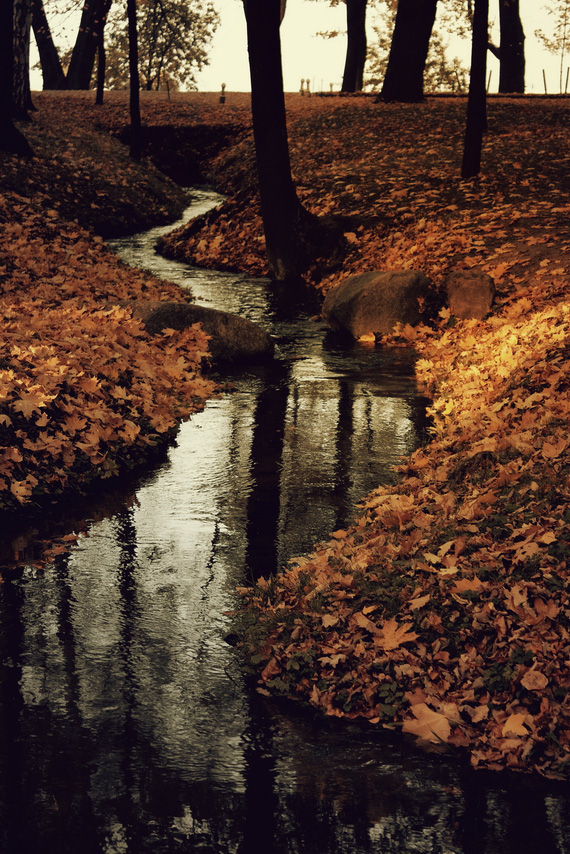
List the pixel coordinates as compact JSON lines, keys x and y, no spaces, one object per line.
{"x":322,"y":60}
{"x":307,"y":55}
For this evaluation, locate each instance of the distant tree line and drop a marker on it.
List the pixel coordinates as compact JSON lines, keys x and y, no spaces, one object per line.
{"x":399,"y":56}
{"x":173,"y":40}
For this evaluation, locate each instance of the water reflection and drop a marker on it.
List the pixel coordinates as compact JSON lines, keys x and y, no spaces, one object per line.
{"x":127,"y":726}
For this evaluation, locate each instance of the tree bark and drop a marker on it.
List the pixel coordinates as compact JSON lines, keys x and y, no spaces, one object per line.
{"x":404,"y":80}
{"x":82,"y":60}
{"x":52,"y":71}
{"x":11,"y":140}
{"x":356,"y":47}
{"x":101,"y":66}
{"x":477,"y":102}
{"x":134,"y":88}
{"x":511,"y":49}
{"x":294,"y":238}
{"x":22,"y":27}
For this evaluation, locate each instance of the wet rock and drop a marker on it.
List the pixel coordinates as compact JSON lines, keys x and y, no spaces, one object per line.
{"x":470,"y":293}
{"x":374,"y":302}
{"x":234,"y":339}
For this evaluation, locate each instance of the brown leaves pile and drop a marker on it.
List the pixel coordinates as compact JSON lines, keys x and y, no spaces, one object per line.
{"x":392,"y":172}
{"x":445,"y":609}
{"x":84,"y":391}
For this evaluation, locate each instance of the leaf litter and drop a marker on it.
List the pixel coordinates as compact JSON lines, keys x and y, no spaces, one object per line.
{"x":444,"y":610}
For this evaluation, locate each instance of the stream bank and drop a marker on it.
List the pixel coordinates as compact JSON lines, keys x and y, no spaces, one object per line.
{"x":549,"y":819}
{"x":131,"y":727}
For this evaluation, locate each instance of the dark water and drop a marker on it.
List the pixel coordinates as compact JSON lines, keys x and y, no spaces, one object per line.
{"x":126,"y":725}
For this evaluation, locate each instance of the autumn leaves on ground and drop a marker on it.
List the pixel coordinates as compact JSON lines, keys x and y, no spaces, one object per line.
{"x":444,"y":611}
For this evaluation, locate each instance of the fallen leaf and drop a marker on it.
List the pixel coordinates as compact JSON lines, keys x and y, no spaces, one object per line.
{"x":514,"y":725}
{"x":534,"y":680}
{"x":428,"y":724}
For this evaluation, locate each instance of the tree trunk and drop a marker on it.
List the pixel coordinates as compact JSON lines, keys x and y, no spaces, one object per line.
{"x":22,"y":96}
{"x":82,"y":60}
{"x":356,"y":47}
{"x":134,"y":101}
{"x":477,"y":102}
{"x":11,"y":140}
{"x":404,"y":80}
{"x":294,"y":238}
{"x":101,"y":66}
{"x":52,"y":72}
{"x":511,"y":49}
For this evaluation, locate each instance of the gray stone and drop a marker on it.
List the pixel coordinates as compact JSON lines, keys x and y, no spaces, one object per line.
{"x":233,"y":338}
{"x":374,"y":302}
{"x":470,"y":293}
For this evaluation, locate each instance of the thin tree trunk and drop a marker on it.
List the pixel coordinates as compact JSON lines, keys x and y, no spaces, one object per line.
{"x":134,"y":101}
{"x":356,"y":46}
{"x":477,"y":102}
{"x":101,"y":67}
{"x":52,"y":71}
{"x":404,"y":80}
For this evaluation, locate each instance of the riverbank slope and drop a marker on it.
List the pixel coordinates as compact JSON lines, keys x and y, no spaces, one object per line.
{"x":85,"y":393}
{"x":444,"y":611}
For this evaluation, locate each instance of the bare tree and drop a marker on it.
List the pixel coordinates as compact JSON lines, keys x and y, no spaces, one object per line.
{"x":477,"y":102}
{"x":294,"y":238}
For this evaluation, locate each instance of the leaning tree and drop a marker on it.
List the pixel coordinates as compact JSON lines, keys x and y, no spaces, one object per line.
{"x":52,"y":69}
{"x":294,"y":238}
{"x":404,"y":79}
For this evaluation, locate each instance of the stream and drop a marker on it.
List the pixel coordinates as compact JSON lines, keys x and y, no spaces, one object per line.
{"x":126,"y":724}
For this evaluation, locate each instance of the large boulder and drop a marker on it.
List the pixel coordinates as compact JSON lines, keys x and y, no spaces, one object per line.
{"x":233,"y":338}
{"x":375,"y":302}
{"x":470,"y":293}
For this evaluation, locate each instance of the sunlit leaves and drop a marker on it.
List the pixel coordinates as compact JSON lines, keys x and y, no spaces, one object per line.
{"x":455,"y":626}
{"x":66,"y":408}
{"x":84,"y":391}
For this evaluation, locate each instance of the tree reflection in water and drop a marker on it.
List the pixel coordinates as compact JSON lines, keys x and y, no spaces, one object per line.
{"x":127,"y":726}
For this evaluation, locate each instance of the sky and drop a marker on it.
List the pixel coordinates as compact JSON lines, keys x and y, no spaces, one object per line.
{"x":309,"y":56}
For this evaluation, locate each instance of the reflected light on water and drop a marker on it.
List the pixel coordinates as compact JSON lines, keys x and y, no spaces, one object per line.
{"x":128,"y":724}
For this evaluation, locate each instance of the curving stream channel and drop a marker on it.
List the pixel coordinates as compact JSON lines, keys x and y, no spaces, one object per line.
{"x":127,"y":726}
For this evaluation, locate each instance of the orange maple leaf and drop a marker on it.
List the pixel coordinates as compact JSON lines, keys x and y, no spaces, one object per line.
{"x":29,"y":403}
{"x":395,"y":635}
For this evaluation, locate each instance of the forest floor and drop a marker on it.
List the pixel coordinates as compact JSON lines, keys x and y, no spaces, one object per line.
{"x":445,"y":610}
